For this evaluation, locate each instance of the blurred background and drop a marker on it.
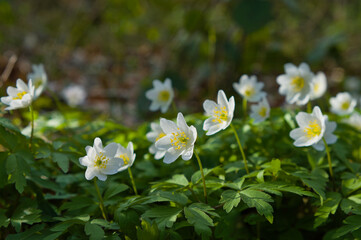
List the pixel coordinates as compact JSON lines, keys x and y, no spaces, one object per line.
{"x":115,"y":48}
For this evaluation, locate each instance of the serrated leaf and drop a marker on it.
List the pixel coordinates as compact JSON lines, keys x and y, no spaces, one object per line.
{"x":147,"y":231}
{"x":179,"y":179}
{"x":278,"y":187}
{"x":164,"y":216}
{"x":114,"y":189}
{"x":352,"y":223}
{"x":329,"y":206}
{"x":105,"y":224}
{"x":93,"y":231}
{"x":314,"y":180}
{"x":162,"y":196}
{"x":6,"y":123}
{"x":28,"y":234}
{"x":77,"y":203}
{"x":26,"y":212}
{"x":231,"y":199}
{"x":260,"y":201}
{"x":4,"y":220}
{"x":18,"y":169}
{"x":197,"y":176}
{"x":62,"y":160}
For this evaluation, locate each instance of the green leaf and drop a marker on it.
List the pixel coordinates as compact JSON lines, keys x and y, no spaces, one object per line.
{"x":29,"y":234}
{"x":259,"y":200}
{"x":105,"y":224}
{"x":26,"y":212}
{"x":6,"y":123}
{"x":4,"y":220}
{"x":231,"y":199}
{"x":62,"y":160}
{"x":147,"y":231}
{"x":94,"y":231}
{"x":162,"y":196}
{"x":77,"y":203}
{"x":114,"y":189}
{"x":196,"y":215}
{"x":164,"y":216}
{"x":329,"y":206}
{"x":179,"y":179}
{"x":67,"y":222}
{"x":3,"y":174}
{"x":278,"y":187}
{"x":18,"y":169}
{"x":353,"y":223}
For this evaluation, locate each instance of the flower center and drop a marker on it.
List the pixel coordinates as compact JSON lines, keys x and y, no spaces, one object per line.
{"x":101,"y":161}
{"x":316,"y":87}
{"x":162,"y":134}
{"x":262,"y":112}
{"x":313,"y":129}
{"x":20,"y":95}
{"x":163,"y":96}
{"x":179,"y":140}
{"x":345,"y":105}
{"x":38,"y":82}
{"x":249,"y":91}
{"x":220,"y":114}
{"x":297,"y":83}
{"x":125,"y":158}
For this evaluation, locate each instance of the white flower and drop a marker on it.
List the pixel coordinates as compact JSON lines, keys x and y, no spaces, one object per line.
{"x":328,"y":135}
{"x":260,"y":111}
{"x":343,"y":103}
{"x":126,"y":155}
{"x":311,"y":130}
{"x":161,"y":95}
{"x":319,"y":86}
{"x":39,"y":78}
{"x":74,"y":95}
{"x":19,"y":97}
{"x":100,"y":161}
{"x":249,"y":88}
{"x":354,"y":120}
{"x":296,"y":83}
{"x":221,"y":113}
{"x":153,"y":136}
{"x":178,"y":141}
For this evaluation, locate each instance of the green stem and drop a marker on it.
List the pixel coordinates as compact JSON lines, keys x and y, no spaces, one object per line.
{"x":240,"y":148}
{"x":309,"y":107}
{"x":245,"y":108}
{"x":202,"y":173}
{"x":175,"y":109}
{"x":32,"y":124}
{"x":132,"y":180}
{"x":101,"y":203}
{"x":328,"y":157}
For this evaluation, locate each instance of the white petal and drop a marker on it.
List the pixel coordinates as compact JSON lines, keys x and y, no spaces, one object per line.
{"x":111,"y":149}
{"x":85,"y":161}
{"x":159,"y":154}
{"x":168,"y":126}
{"x":21,"y":85}
{"x":291,"y":69}
{"x":164,"y":143}
{"x":151,"y":94}
{"x":98,"y":145}
{"x":90,"y":173}
{"x":209,"y":106}
{"x":208,"y":123}
{"x":154,"y":106}
{"x":214,"y":129}
{"x":102,"y":177}
{"x":296,"y":133}
{"x":221,"y":98}
{"x":181,"y":122}
{"x":171,"y":155}
{"x":188,"y":154}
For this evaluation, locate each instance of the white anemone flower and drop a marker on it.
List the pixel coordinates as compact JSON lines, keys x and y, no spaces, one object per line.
{"x":178,"y":141}
{"x":74,"y":95}
{"x":330,"y":138}
{"x":354,"y":120}
{"x":154,"y":135}
{"x":319,"y":86}
{"x":100,"y":161}
{"x":221,"y":113}
{"x":19,"y":97}
{"x":161,"y":95}
{"x":126,"y":155}
{"x":249,"y":88}
{"x":343,"y":103}
{"x":296,"y":83}
{"x":311,"y":128}
{"x":260,"y":111}
{"x":39,"y":78}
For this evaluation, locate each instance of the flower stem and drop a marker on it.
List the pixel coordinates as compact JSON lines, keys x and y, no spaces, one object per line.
{"x":175,"y":109}
{"x":202,"y":173}
{"x":101,"y":204}
{"x":245,"y":108}
{"x":309,"y":107}
{"x":240,"y":148}
{"x":32,"y":124}
{"x":132,"y":180}
{"x":328,"y":157}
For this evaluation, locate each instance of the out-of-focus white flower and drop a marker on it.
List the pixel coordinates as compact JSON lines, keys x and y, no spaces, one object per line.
{"x":343,"y":103}
{"x":353,"y":84}
{"x":19,"y":97}
{"x":354,"y":120}
{"x":126,"y":155}
{"x":161,"y":95}
{"x":74,"y":95}
{"x":328,"y":135}
{"x":296,"y":83}
{"x":154,"y":135}
{"x":178,"y":141}
{"x":39,"y":78}
{"x":249,"y":88}
{"x":100,"y":161}
{"x":221,"y":113}
{"x":260,"y":111}
{"x":311,"y":128}
{"x":319,"y":86}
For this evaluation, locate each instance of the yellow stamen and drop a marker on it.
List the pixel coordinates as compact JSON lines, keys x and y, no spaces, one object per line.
{"x":179,"y":140}
{"x":262,"y":112}
{"x":125,"y":158}
{"x":101,"y":161}
{"x":163,"y":96}
{"x":313,"y":129}
{"x":316,"y":87}
{"x":298,"y":83}
{"x":249,"y":91}
{"x":20,"y":95}
{"x":220,"y":114}
{"x":345,"y":105}
{"x":162,"y":134}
